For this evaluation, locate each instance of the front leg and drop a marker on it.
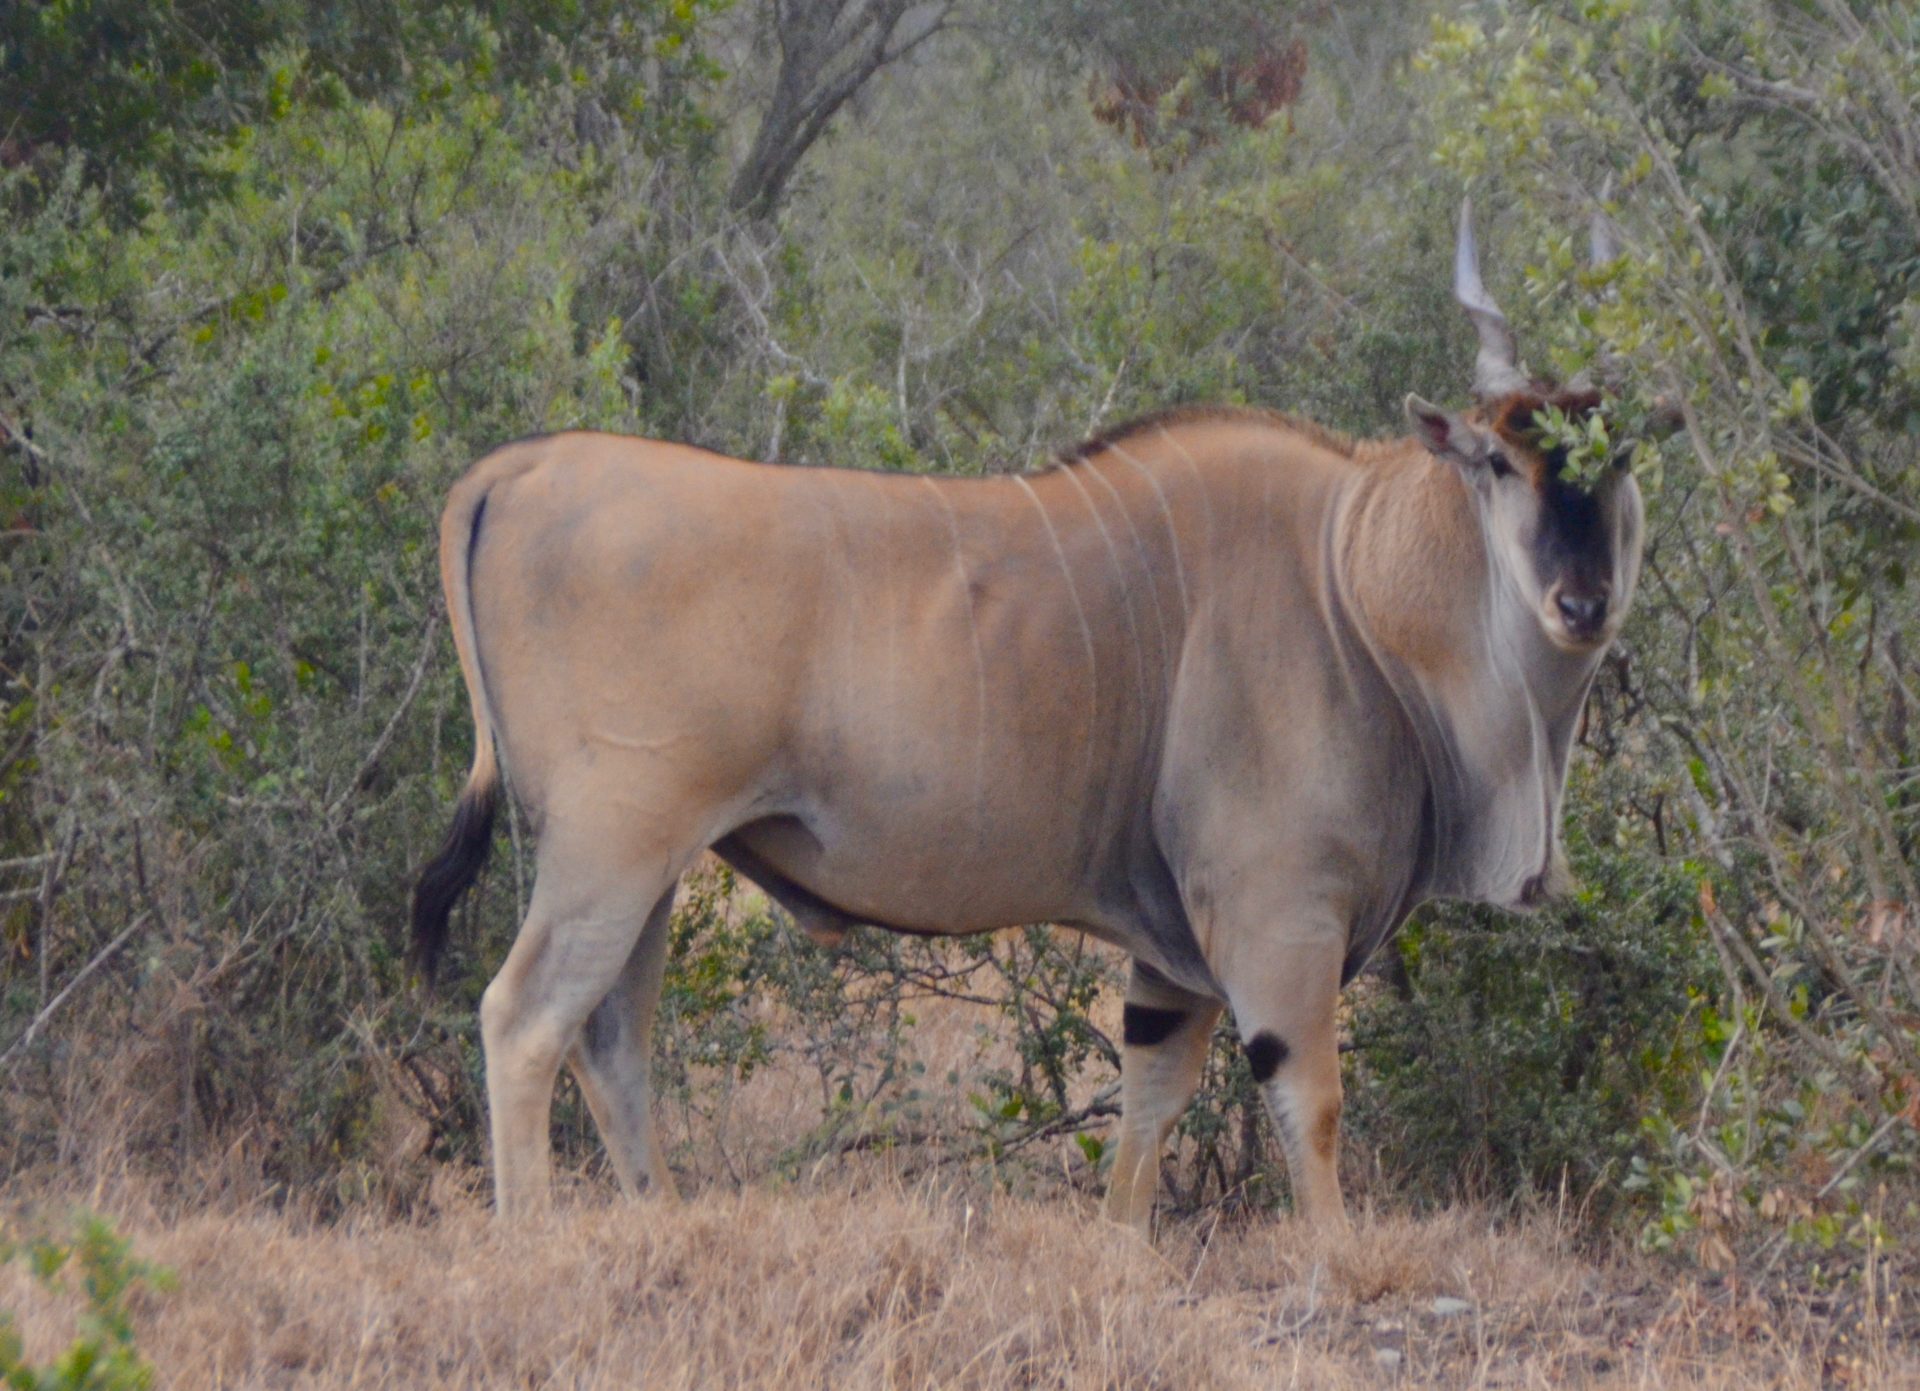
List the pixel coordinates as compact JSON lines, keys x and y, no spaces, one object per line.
{"x":1284,"y":986}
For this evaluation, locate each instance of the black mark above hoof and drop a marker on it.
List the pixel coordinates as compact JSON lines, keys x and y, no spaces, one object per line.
{"x":1265,"y":1052}
{"x":1142,"y":1026}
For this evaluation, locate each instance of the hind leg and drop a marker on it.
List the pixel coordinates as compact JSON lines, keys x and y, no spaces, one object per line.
{"x":1165,"y":1031}
{"x":613,"y":1062}
{"x":592,"y":899}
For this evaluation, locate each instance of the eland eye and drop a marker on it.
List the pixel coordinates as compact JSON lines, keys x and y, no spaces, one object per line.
{"x":1502,"y":468}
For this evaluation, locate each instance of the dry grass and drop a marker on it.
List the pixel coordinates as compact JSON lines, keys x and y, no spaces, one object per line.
{"x":899,"y":1267}
{"x":890,"y":1287}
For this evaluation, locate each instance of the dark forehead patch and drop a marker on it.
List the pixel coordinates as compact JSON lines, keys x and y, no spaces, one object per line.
{"x":1513,"y":418}
{"x":1513,"y":415}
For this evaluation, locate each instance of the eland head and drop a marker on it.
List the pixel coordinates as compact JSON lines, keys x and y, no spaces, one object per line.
{"x":1562,"y":528}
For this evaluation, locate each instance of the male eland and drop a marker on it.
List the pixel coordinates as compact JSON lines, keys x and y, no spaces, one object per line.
{"x":1224,"y":688}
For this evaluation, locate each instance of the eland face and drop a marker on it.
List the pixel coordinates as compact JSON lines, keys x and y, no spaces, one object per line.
{"x":1566,"y":549}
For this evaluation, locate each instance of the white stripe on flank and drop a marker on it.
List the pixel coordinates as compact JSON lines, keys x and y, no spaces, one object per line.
{"x":847,"y":588}
{"x":1073,"y":593}
{"x":1120,"y":575}
{"x":1206,"y":499}
{"x":1146,"y":557}
{"x":979,"y":662}
{"x":637,"y":743}
{"x":1173,"y":536}
{"x":889,"y":593}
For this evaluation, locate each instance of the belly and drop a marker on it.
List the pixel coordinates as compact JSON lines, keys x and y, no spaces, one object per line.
{"x":922,"y":869}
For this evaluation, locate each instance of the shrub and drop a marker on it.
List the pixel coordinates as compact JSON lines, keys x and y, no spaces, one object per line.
{"x":1503,"y":1055}
{"x":102,"y":1356}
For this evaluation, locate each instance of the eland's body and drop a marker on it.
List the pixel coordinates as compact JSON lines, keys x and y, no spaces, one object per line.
{"x":1224,"y":689}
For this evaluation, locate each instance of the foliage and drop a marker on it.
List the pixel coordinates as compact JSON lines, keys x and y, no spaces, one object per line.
{"x":151,"y":98}
{"x":1767,"y":194}
{"x":102,"y":1356}
{"x":1521,"y":1054}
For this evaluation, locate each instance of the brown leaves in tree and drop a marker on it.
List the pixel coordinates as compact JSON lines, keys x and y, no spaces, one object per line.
{"x":1245,"y":92}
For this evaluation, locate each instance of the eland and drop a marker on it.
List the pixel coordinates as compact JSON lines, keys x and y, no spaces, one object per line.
{"x":1223,"y":688}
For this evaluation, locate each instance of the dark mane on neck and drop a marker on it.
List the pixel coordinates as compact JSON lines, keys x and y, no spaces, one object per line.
{"x":1179,"y":417}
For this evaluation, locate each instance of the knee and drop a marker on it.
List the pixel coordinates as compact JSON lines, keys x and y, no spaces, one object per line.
{"x":496,"y":1011}
{"x":515,"y":1040}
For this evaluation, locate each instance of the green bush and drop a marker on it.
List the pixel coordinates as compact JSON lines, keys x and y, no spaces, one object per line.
{"x":102,"y":1356}
{"x":1503,"y":1055}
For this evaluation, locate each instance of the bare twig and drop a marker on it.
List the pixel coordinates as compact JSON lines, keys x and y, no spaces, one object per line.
{"x":1776,"y":1245}
{"x":52,"y":1007}
{"x":372,"y":760}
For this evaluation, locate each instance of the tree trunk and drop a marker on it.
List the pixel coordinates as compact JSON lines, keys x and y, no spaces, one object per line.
{"x":829,"y":49}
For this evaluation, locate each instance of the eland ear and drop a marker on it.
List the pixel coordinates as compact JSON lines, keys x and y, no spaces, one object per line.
{"x":1445,"y":434}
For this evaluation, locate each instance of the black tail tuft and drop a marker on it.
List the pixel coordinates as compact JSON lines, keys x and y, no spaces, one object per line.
{"x":449,"y":874}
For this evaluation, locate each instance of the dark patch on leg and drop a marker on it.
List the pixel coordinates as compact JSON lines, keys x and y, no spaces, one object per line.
{"x":1142,"y":1026}
{"x":1326,"y":1131}
{"x":600,"y":1035}
{"x":1265,"y":1052}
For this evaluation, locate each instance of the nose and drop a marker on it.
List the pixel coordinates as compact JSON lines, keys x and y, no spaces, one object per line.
{"x":1584,"y":613}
